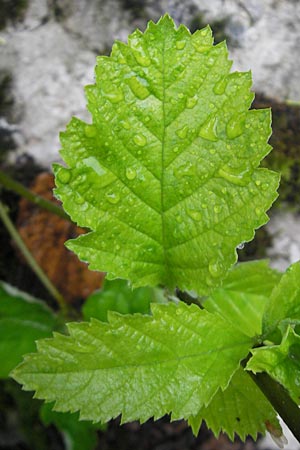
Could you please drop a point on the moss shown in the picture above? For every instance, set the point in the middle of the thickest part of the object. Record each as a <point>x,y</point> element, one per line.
<point>12,11</point>
<point>285,157</point>
<point>218,27</point>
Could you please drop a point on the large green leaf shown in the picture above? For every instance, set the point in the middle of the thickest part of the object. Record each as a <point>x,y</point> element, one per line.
<point>167,174</point>
<point>23,319</point>
<point>138,366</point>
<point>243,295</point>
<point>284,303</point>
<point>117,295</point>
<point>282,362</point>
<point>240,409</point>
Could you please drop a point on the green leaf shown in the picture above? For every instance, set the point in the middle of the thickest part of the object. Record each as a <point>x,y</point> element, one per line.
<point>138,366</point>
<point>78,435</point>
<point>282,362</point>
<point>167,175</point>
<point>118,296</point>
<point>240,409</point>
<point>23,319</point>
<point>284,303</point>
<point>243,295</point>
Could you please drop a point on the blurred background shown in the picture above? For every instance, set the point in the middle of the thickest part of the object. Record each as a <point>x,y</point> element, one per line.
<point>47,55</point>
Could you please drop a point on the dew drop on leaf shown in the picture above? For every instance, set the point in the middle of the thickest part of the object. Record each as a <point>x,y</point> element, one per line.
<point>64,176</point>
<point>90,131</point>
<point>79,200</point>
<point>112,197</point>
<point>209,129</point>
<point>130,173</point>
<point>220,86</point>
<point>233,176</point>
<point>114,95</point>
<point>234,128</point>
<point>180,45</point>
<point>182,132</point>
<point>125,124</point>
<point>191,102</point>
<point>138,89</point>
<point>194,214</point>
<point>140,140</point>
<point>215,269</point>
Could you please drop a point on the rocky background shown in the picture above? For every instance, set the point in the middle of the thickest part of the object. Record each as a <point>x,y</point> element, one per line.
<point>47,55</point>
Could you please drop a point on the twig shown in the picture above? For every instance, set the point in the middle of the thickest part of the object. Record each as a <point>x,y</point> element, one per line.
<point>64,308</point>
<point>17,187</point>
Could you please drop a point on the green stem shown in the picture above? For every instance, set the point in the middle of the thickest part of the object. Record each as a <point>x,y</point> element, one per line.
<point>13,185</point>
<point>279,399</point>
<point>31,261</point>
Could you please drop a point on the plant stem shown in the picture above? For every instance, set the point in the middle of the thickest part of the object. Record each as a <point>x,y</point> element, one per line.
<point>17,187</point>
<point>31,261</point>
<point>279,399</point>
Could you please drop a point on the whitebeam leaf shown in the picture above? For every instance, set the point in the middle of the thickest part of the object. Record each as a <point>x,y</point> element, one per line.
<point>138,366</point>
<point>167,175</point>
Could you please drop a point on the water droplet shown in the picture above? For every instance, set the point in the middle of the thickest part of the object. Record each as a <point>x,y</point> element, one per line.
<point>143,60</point>
<point>94,164</point>
<point>180,95</point>
<point>175,149</point>
<point>112,197</point>
<point>140,140</point>
<point>180,45</point>
<point>114,95</point>
<point>125,124</point>
<point>130,173</point>
<point>195,215</point>
<point>138,89</point>
<point>209,129</point>
<point>79,200</point>
<point>258,183</point>
<point>203,205</point>
<point>90,131</point>
<point>217,209</point>
<point>212,151</point>
<point>220,86</point>
<point>241,246</point>
<point>182,132</point>
<point>117,247</point>
<point>234,127</point>
<point>179,218</point>
<point>240,178</point>
<point>64,175</point>
<point>215,269</point>
<point>257,211</point>
<point>191,102</point>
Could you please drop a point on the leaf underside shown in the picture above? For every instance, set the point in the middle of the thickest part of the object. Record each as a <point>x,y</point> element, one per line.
<point>283,306</point>
<point>240,409</point>
<point>167,175</point>
<point>138,366</point>
<point>282,362</point>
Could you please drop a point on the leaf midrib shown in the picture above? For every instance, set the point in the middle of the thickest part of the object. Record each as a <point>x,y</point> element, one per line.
<point>164,245</point>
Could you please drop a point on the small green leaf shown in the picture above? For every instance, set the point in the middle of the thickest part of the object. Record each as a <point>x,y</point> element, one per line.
<point>243,295</point>
<point>138,366</point>
<point>282,362</point>
<point>78,435</point>
<point>240,409</point>
<point>167,176</point>
<point>117,295</point>
<point>23,319</point>
<point>284,303</point>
